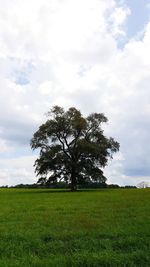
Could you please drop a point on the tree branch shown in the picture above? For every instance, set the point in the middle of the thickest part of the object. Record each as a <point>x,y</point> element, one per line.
<point>63,146</point>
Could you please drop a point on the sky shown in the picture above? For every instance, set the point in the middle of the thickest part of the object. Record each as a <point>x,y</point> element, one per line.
<point>91,54</point>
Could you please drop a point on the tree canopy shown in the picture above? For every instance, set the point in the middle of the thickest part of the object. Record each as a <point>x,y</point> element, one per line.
<point>73,148</point>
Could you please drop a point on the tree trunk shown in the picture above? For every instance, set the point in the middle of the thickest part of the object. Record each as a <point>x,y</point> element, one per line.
<point>73,180</point>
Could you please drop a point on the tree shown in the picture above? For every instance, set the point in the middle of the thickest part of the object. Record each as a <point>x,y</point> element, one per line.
<point>73,148</point>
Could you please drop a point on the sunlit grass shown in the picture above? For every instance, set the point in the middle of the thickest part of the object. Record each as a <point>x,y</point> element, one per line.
<point>43,228</point>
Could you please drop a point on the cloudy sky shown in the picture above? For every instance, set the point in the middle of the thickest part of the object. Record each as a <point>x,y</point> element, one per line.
<point>91,54</point>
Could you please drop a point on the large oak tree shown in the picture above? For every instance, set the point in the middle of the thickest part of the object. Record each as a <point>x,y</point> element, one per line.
<point>73,148</point>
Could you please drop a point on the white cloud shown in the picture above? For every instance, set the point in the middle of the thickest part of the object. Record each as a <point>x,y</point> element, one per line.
<point>118,17</point>
<point>17,170</point>
<point>3,146</point>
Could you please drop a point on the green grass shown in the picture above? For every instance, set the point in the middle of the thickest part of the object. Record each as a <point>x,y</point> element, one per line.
<point>42,228</point>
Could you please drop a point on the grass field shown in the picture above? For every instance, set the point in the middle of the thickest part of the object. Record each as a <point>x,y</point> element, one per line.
<point>42,228</point>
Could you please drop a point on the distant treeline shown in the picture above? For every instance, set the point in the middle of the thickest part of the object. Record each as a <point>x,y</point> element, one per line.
<point>63,185</point>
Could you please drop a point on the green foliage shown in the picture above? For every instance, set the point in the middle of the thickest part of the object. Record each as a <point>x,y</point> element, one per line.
<point>107,228</point>
<point>72,148</point>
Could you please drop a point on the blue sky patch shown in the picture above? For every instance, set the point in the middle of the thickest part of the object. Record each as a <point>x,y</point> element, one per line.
<point>22,79</point>
<point>139,16</point>
<point>22,75</point>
